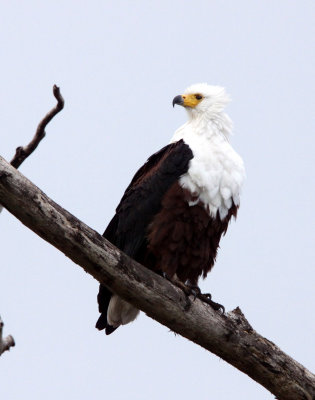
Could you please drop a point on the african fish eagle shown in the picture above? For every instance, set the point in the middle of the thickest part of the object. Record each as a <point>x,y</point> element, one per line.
<point>179,203</point>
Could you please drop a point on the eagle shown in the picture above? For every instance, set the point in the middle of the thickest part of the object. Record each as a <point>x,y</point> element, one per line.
<point>180,202</point>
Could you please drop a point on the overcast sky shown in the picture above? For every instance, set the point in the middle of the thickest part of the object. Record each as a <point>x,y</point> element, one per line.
<point>119,64</point>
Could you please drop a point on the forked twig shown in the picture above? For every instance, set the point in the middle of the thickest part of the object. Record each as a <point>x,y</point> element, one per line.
<point>23,152</point>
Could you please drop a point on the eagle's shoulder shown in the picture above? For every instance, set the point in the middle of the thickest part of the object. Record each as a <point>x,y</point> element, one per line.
<point>142,198</point>
<point>178,154</point>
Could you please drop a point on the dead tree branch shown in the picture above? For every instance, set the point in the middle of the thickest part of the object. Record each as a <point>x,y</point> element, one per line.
<point>228,336</point>
<point>7,342</point>
<point>23,152</point>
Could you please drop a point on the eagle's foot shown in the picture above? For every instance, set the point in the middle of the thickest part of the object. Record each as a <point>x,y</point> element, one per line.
<point>206,298</point>
<point>194,290</point>
<point>175,282</point>
<point>182,286</point>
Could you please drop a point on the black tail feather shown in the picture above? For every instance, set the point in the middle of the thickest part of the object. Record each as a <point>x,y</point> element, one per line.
<point>110,329</point>
<point>101,322</point>
<point>103,298</point>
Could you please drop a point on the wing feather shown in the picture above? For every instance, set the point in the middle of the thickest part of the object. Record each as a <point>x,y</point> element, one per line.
<point>142,198</point>
<point>138,206</point>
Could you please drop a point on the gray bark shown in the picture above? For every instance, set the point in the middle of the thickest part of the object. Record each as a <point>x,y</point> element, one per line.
<point>228,336</point>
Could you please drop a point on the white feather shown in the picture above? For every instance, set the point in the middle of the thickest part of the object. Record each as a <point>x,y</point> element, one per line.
<point>216,172</point>
<point>120,312</point>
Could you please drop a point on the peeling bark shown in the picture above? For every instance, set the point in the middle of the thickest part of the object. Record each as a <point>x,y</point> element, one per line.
<point>229,336</point>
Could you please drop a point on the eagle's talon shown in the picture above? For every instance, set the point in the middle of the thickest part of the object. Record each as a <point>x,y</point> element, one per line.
<point>194,290</point>
<point>206,298</point>
<point>215,306</point>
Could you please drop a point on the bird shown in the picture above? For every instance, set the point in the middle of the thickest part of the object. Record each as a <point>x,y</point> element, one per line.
<point>180,202</point>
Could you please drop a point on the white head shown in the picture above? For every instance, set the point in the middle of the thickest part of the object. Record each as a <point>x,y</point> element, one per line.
<point>205,105</point>
<point>202,99</point>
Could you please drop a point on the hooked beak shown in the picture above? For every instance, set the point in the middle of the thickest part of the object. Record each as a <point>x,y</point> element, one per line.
<point>178,100</point>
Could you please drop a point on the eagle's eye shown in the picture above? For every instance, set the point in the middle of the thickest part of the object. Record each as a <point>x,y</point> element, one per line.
<point>198,96</point>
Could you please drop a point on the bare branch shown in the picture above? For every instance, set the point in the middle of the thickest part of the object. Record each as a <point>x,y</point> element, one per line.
<point>7,342</point>
<point>228,336</point>
<point>23,152</point>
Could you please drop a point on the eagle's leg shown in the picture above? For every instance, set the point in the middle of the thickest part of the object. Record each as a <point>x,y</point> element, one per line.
<point>194,290</point>
<point>175,281</point>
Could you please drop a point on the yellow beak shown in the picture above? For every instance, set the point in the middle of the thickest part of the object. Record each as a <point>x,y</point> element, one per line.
<point>186,100</point>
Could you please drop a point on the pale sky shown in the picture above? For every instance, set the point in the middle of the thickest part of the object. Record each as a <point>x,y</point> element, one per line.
<point>119,64</point>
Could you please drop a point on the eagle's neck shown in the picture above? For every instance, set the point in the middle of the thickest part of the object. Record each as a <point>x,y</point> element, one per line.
<point>207,125</point>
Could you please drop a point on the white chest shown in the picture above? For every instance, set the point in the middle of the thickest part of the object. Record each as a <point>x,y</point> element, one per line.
<point>215,175</point>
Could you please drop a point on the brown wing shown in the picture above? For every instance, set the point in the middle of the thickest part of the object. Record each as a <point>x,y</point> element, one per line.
<point>140,203</point>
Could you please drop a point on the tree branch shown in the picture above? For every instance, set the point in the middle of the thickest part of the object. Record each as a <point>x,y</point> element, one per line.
<point>228,336</point>
<point>7,342</point>
<point>23,152</point>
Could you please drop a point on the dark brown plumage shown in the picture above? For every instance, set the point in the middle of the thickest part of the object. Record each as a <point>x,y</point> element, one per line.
<point>155,225</point>
<point>184,239</point>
